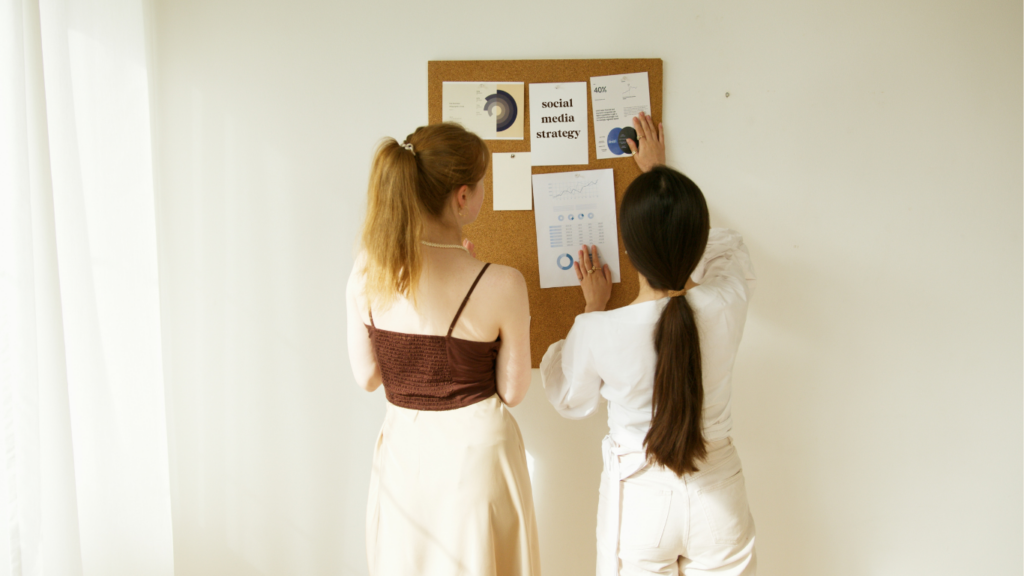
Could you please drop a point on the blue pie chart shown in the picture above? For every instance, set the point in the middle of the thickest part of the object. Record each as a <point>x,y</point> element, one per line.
<point>613,141</point>
<point>567,261</point>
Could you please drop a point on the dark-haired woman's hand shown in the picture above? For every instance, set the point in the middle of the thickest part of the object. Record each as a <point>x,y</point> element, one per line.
<point>652,143</point>
<point>595,281</point>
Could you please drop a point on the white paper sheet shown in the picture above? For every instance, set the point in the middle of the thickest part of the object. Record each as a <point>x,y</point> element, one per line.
<point>491,110</point>
<point>572,209</point>
<point>558,124</point>
<point>512,182</point>
<point>617,100</point>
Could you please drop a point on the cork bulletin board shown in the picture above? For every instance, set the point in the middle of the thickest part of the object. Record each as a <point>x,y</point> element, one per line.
<point>509,237</point>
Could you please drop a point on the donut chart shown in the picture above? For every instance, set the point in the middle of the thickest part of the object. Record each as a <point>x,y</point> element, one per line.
<point>613,142</point>
<point>568,263</point>
<point>507,109</point>
<point>627,133</point>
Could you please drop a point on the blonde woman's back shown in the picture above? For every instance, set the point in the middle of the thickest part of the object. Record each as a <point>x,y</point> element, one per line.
<point>497,308</point>
<point>447,336</point>
<point>446,279</point>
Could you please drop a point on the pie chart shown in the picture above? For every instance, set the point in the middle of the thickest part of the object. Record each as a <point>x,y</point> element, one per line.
<point>613,141</point>
<point>506,107</point>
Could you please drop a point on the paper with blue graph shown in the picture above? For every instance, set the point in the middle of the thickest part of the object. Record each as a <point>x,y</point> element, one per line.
<point>572,209</point>
<point>617,100</point>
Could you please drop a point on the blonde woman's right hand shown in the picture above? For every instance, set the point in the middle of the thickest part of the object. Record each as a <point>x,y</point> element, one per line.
<point>652,148</point>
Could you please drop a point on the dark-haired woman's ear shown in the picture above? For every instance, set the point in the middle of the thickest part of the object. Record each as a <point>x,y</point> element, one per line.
<point>652,143</point>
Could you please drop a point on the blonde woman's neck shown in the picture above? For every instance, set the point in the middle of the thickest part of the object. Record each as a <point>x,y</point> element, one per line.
<point>441,232</point>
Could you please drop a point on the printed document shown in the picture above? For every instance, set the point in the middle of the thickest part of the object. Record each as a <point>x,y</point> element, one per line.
<point>558,124</point>
<point>572,209</point>
<point>617,100</point>
<point>491,110</point>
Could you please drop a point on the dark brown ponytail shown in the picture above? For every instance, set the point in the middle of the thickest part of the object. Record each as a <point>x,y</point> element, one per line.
<point>665,227</point>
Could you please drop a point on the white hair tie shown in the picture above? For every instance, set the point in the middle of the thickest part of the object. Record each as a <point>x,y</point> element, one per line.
<point>408,146</point>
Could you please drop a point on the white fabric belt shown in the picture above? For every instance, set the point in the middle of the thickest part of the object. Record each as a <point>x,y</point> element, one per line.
<point>618,472</point>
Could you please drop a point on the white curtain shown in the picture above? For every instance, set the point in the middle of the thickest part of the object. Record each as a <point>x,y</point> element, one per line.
<point>84,481</point>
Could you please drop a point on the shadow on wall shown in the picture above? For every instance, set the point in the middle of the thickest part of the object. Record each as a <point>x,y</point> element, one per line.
<point>566,473</point>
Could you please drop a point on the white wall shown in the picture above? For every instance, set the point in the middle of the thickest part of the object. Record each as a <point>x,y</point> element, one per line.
<point>870,152</point>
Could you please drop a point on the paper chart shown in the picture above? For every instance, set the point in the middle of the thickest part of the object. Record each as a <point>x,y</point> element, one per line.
<point>572,209</point>
<point>616,101</point>
<point>492,110</point>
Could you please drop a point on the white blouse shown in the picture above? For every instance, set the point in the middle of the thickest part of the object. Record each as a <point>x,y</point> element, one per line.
<point>611,353</point>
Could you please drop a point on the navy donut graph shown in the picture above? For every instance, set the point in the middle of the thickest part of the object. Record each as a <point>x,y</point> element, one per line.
<point>613,141</point>
<point>509,110</point>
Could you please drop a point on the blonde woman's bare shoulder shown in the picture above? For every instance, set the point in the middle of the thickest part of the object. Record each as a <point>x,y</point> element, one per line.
<point>505,289</point>
<point>504,279</point>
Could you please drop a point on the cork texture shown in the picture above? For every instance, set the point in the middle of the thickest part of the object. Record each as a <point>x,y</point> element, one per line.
<point>510,237</point>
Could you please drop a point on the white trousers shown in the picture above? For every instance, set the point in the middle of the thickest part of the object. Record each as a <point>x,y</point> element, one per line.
<point>699,524</point>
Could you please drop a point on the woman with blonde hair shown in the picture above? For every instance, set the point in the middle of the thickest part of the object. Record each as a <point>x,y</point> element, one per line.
<point>448,337</point>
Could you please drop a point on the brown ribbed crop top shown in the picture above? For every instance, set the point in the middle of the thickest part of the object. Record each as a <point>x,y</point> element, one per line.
<point>424,372</point>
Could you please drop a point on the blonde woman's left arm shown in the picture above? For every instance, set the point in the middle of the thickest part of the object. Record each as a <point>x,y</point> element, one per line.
<point>360,348</point>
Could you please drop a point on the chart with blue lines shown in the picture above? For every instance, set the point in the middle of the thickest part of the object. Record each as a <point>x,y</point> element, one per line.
<point>581,189</point>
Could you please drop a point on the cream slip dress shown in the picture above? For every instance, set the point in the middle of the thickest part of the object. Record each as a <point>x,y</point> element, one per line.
<point>450,493</point>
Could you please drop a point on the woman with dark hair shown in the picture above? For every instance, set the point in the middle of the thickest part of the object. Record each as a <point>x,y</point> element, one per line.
<point>672,497</point>
<point>449,338</point>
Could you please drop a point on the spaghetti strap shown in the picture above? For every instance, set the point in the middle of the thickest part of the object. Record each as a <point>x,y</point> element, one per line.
<point>465,300</point>
<point>370,312</point>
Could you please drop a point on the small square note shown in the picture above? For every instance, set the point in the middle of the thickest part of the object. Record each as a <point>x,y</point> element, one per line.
<point>513,187</point>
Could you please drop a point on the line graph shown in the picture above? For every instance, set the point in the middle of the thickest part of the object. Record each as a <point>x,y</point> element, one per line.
<point>570,190</point>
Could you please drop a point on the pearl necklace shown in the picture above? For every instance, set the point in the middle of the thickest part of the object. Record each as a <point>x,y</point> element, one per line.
<point>459,246</point>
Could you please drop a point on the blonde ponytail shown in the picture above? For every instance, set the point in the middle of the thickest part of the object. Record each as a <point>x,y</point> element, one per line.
<point>406,186</point>
<point>393,225</point>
